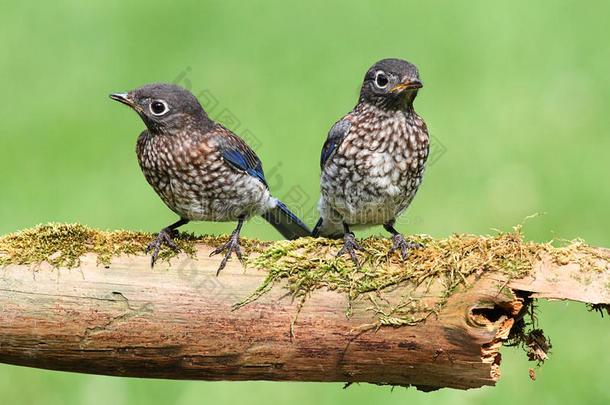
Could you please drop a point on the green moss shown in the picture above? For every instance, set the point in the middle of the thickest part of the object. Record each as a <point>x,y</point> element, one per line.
<point>307,264</point>
<point>62,245</point>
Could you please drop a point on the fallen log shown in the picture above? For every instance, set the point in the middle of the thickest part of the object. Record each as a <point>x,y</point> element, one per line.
<point>78,299</point>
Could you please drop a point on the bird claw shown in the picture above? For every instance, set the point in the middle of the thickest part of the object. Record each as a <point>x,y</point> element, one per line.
<point>350,246</point>
<point>165,236</point>
<point>231,245</point>
<point>399,242</point>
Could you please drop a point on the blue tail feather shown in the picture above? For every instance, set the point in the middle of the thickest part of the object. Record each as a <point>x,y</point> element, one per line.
<point>288,224</point>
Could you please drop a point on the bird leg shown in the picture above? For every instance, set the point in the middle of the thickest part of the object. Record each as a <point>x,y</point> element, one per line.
<point>231,245</point>
<point>399,241</point>
<point>350,245</point>
<point>165,236</point>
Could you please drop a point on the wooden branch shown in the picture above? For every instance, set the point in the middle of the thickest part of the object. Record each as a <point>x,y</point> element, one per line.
<point>128,320</point>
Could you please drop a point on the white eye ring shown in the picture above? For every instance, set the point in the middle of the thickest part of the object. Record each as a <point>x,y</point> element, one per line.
<point>381,80</point>
<point>155,107</point>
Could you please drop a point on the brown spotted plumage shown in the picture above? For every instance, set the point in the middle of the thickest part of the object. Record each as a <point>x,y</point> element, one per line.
<point>200,169</point>
<point>374,158</point>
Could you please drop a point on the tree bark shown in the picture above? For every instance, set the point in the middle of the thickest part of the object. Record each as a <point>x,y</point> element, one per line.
<point>178,323</point>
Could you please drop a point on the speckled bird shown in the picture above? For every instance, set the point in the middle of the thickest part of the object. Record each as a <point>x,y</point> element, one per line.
<point>374,158</point>
<point>201,170</point>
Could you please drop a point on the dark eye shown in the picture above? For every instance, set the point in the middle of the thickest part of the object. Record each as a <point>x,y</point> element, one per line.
<point>381,80</point>
<point>158,107</point>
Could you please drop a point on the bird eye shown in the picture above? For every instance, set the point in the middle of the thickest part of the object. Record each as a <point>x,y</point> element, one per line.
<point>381,80</point>
<point>158,107</point>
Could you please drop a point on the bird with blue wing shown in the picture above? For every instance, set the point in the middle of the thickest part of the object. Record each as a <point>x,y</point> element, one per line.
<point>373,159</point>
<point>201,170</point>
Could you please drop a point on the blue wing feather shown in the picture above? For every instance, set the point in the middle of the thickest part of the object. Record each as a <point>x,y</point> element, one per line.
<point>335,136</point>
<point>239,155</point>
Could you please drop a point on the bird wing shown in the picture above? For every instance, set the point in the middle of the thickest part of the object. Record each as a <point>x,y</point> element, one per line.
<point>335,136</point>
<point>237,154</point>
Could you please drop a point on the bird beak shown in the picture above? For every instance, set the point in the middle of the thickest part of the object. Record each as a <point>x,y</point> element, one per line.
<point>408,83</point>
<point>125,99</point>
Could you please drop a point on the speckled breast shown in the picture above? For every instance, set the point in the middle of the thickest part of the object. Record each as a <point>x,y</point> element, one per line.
<point>378,167</point>
<point>192,179</point>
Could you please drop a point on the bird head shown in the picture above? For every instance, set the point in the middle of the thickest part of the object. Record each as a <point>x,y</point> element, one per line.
<point>391,83</point>
<point>164,108</point>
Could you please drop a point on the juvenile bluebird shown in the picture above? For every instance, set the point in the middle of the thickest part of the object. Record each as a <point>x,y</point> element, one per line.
<point>201,170</point>
<point>374,158</point>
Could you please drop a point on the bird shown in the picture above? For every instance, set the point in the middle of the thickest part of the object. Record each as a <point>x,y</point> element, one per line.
<point>201,170</point>
<point>373,160</point>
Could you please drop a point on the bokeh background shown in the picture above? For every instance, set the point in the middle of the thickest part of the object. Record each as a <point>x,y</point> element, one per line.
<point>516,98</point>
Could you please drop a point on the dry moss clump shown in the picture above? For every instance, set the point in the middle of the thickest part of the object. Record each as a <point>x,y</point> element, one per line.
<point>307,264</point>
<point>62,245</point>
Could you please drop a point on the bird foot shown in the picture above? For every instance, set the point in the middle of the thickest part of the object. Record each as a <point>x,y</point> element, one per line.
<point>399,242</point>
<point>231,245</point>
<point>165,236</point>
<point>350,246</point>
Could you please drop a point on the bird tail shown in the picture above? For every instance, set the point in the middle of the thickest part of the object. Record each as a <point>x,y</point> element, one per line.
<point>288,224</point>
<point>327,229</point>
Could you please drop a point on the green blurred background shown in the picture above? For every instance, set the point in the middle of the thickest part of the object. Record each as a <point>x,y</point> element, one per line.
<point>516,99</point>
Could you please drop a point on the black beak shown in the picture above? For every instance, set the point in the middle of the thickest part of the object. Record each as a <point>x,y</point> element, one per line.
<point>123,98</point>
<point>127,100</point>
<point>408,83</point>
